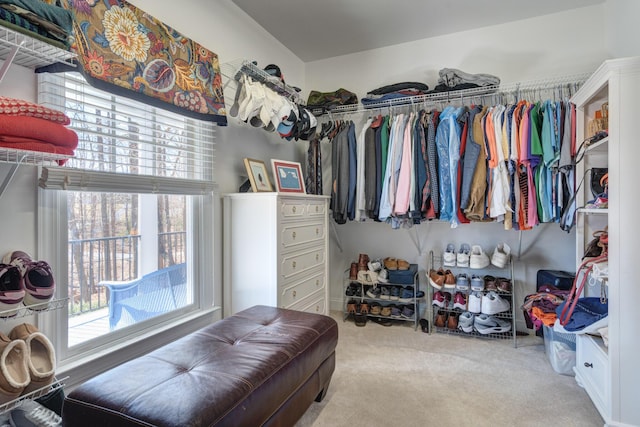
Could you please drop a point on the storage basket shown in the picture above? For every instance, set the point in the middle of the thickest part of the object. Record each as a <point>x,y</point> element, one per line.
<point>561,350</point>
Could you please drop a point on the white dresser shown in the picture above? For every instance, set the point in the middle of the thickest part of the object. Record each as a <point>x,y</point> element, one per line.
<point>275,252</point>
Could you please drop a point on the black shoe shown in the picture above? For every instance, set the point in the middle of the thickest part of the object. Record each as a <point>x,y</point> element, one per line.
<point>424,324</point>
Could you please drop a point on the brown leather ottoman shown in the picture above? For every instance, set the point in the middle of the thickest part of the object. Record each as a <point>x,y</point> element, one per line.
<point>261,366</point>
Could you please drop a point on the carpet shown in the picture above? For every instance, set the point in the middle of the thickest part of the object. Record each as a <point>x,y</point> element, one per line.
<point>397,376</point>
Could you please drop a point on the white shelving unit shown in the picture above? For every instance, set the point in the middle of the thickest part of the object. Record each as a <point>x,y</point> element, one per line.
<point>609,373</point>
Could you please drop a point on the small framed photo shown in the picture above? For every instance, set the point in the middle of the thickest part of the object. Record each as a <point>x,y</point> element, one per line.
<point>258,175</point>
<point>288,176</point>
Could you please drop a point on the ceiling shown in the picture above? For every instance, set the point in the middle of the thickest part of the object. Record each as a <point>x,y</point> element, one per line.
<point>319,29</point>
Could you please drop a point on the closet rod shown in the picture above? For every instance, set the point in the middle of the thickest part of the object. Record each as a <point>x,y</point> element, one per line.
<point>551,83</point>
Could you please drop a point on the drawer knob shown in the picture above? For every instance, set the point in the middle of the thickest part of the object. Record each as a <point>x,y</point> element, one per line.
<point>317,231</point>
<point>294,294</point>
<point>317,282</point>
<point>293,264</point>
<point>293,209</point>
<point>317,208</point>
<point>317,257</point>
<point>588,365</point>
<point>293,235</point>
<point>317,308</point>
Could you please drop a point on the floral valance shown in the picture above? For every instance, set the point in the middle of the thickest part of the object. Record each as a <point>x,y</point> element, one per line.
<point>126,51</point>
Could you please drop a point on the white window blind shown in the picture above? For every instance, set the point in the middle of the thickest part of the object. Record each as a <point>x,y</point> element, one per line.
<point>125,145</point>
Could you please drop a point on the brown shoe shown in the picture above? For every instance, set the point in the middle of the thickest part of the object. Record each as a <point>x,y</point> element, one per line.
<point>452,322</point>
<point>391,263</point>
<point>386,311</point>
<point>14,376</point>
<point>375,308</point>
<point>449,279</point>
<point>503,285</point>
<point>490,283</point>
<point>41,360</point>
<point>364,307</point>
<point>363,259</point>
<point>353,271</point>
<point>403,265</point>
<point>441,319</point>
<point>352,307</point>
<point>436,278</point>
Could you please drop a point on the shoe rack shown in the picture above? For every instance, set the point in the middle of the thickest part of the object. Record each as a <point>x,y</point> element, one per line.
<point>391,308</point>
<point>440,317</point>
<point>57,383</point>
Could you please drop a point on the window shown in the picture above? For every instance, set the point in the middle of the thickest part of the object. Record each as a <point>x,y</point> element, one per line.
<point>126,214</point>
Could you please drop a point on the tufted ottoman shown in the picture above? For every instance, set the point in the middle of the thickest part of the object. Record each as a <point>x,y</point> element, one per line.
<point>261,366</point>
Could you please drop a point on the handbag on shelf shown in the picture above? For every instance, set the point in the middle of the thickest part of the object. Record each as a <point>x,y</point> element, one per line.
<point>599,183</point>
<point>598,246</point>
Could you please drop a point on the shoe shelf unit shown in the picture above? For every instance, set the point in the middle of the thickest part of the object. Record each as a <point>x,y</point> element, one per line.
<point>608,369</point>
<point>21,49</point>
<point>391,302</point>
<point>54,304</point>
<point>58,383</point>
<point>440,316</point>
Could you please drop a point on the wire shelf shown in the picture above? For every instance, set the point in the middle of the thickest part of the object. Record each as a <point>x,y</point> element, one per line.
<point>55,385</point>
<point>31,52</point>
<point>234,69</point>
<point>11,155</point>
<point>54,304</point>
<point>513,90</point>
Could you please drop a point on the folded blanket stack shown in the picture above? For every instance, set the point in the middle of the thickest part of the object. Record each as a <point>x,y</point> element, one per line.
<point>32,127</point>
<point>39,19</point>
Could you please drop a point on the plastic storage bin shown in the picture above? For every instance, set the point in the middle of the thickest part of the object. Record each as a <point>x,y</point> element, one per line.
<point>561,350</point>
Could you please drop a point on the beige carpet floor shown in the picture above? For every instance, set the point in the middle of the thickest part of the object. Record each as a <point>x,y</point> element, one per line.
<point>395,376</point>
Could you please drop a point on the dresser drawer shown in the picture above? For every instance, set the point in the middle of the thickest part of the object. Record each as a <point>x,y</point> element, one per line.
<point>316,303</point>
<point>317,208</point>
<point>591,367</point>
<point>301,289</point>
<point>299,262</point>
<point>295,234</point>
<point>293,208</point>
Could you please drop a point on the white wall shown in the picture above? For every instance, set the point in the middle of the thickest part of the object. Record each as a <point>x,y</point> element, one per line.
<point>561,44</point>
<point>622,29</point>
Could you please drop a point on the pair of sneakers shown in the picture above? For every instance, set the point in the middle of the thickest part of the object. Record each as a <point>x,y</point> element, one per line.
<point>24,281</point>
<point>482,323</point>
<point>459,258</point>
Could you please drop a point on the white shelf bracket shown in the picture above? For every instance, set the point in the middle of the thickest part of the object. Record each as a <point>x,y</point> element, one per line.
<point>7,61</point>
<point>9,177</point>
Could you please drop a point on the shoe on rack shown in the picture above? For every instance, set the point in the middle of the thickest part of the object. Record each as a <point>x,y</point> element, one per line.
<point>419,294</point>
<point>394,293</point>
<point>492,303</point>
<point>383,276</point>
<point>449,280</point>
<point>386,311</point>
<point>353,271</point>
<point>31,413</point>
<point>478,259</point>
<point>465,321</point>
<point>373,292</point>
<point>390,263</point>
<point>440,300</point>
<point>395,310</point>
<point>474,301</point>
<point>364,308</point>
<point>449,256</point>
<point>375,308</point>
<point>501,255</point>
<point>367,277</point>
<point>14,370</point>
<point>403,265</point>
<point>462,282</point>
<point>374,265</point>
<point>360,319</point>
<point>38,279</point>
<point>407,312</point>
<point>504,285</point>
<point>486,324</point>
<point>385,292</point>
<point>460,301</point>
<point>463,255</point>
<point>11,290</point>
<point>436,278</point>
<point>352,306</point>
<point>490,283</point>
<point>406,295</point>
<point>452,321</point>
<point>477,283</point>
<point>441,319</point>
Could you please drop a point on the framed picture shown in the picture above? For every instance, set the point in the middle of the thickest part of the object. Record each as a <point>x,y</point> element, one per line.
<point>288,176</point>
<point>258,175</point>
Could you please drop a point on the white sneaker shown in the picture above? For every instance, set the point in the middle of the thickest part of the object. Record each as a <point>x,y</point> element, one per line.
<point>465,322</point>
<point>31,413</point>
<point>478,259</point>
<point>501,254</point>
<point>485,324</point>
<point>474,302</point>
<point>493,303</point>
<point>449,256</point>
<point>462,258</point>
<point>383,276</point>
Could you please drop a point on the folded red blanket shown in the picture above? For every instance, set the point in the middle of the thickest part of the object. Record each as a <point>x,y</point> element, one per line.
<point>19,143</point>
<point>20,107</point>
<point>39,129</point>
